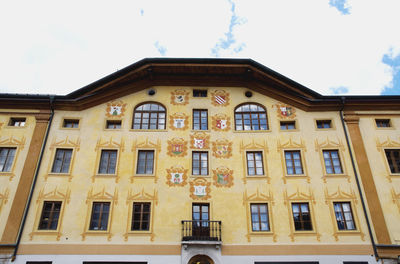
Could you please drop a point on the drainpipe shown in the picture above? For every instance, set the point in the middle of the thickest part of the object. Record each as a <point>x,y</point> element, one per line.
<point>358,182</point>
<point>21,228</point>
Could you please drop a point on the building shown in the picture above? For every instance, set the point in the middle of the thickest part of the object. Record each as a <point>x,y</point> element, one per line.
<point>199,161</point>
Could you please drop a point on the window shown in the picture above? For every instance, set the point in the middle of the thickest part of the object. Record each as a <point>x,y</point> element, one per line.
<point>324,124</point>
<point>6,159</point>
<point>393,158</point>
<point>62,161</point>
<point>301,217</point>
<point>332,162</point>
<point>254,163</point>
<point>288,125</point>
<point>141,217</point>
<point>71,123</point>
<point>145,162</point>
<point>199,163</point>
<point>293,162</point>
<point>108,162</point>
<point>199,93</point>
<point>50,215</point>
<point>149,116</point>
<point>113,124</point>
<point>17,122</point>
<point>382,122</point>
<point>200,119</point>
<point>250,117</point>
<point>259,217</point>
<point>99,218</point>
<point>344,216</point>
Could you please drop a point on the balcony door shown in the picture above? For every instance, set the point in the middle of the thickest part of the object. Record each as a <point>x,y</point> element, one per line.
<point>201,220</point>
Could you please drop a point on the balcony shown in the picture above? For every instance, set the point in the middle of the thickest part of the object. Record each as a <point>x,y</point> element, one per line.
<point>201,232</point>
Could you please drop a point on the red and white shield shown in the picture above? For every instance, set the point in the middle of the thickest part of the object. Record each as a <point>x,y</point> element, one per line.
<point>220,99</point>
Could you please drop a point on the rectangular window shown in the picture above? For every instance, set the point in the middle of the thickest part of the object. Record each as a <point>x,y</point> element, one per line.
<point>108,161</point>
<point>393,158</point>
<point>145,162</point>
<point>62,161</point>
<point>288,125</point>
<point>17,122</point>
<point>382,122</point>
<point>324,124</point>
<point>259,217</point>
<point>71,123</point>
<point>50,216</point>
<point>99,218</point>
<point>332,162</point>
<point>200,119</point>
<point>293,162</point>
<point>254,163</point>
<point>113,124</point>
<point>199,93</point>
<point>301,217</point>
<point>141,217</point>
<point>344,216</point>
<point>199,163</point>
<point>6,159</point>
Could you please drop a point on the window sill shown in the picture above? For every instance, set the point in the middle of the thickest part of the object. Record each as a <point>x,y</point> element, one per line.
<point>335,176</point>
<point>257,177</point>
<point>97,233</point>
<point>53,174</point>
<point>199,130</point>
<point>144,176</point>
<point>56,233</point>
<point>252,131</point>
<point>139,233</point>
<point>261,234</point>
<point>325,129</point>
<point>112,129</point>
<point>148,130</point>
<point>200,176</point>
<point>385,128</point>
<point>7,173</point>
<point>105,176</point>
<point>338,233</point>
<point>296,176</point>
<point>289,130</point>
<point>69,128</point>
<point>17,127</point>
<point>305,233</point>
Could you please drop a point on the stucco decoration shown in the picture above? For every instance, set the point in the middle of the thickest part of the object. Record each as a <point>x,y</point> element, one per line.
<point>200,140</point>
<point>179,97</point>
<point>381,145</point>
<point>219,98</point>
<point>223,177</point>
<point>115,109</point>
<point>1,124</point>
<point>4,197</point>
<point>177,147</point>
<point>200,189</point>
<point>16,143</point>
<point>178,121</point>
<point>259,145</point>
<point>222,148</point>
<point>396,198</point>
<point>177,176</point>
<point>146,145</point>
<point>285,111</point>
<point>221,122</point>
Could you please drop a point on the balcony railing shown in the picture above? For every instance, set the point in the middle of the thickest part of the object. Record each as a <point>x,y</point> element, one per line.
<point>201,230</point>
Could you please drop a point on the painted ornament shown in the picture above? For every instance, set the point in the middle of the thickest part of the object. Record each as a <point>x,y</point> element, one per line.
<point>177,176</point>
<point>221,122</point>
<point>180,97</point>
<point>178,121</point>
<point>199,140</point>
<point>223,177</point>
<point>115,109</point>
<point>200,189</point>
<point>286,111</point>
<point>177,147</point>
<point>219,98</point>
<point>222,148</point>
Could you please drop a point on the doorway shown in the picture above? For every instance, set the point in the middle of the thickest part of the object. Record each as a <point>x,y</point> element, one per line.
<point>201,220</point>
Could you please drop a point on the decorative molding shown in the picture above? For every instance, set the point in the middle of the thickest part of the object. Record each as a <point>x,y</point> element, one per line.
<point>222,148</point>
<point>177,176</point>
<point>223,177</point>
<point>12,142</point>
<point>219,98</point>
<point>178,121</point>
<point>179,97</point>
<point>108,145</point>
<point>254,146</point>
<point>329,144</point>
<point>291,144</point>
<point>65,143</point>
<point>396,198</point>
<point>115,109</point>
<point>200,189</point>
<point>381,145</point>
<point>145,145</point>
<point>285,111</point>
<point>177,147</point>
<point>4,197</point>
<point>220,122</point>
<point>200,140</point>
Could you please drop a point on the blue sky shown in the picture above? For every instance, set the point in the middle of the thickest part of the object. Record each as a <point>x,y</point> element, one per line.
<point>331,46</point>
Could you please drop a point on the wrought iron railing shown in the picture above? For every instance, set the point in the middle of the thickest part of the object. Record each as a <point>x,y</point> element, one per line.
<point>201,230</point>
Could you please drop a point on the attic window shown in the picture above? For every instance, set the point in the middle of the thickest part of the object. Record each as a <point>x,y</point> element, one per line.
<point>199,93</point>
<point>17,122</point>
<point>71,123</point>
<point>113,124</point>
<point>383,122</point>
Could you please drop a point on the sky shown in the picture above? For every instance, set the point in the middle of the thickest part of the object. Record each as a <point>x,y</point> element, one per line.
<point>334,47</point>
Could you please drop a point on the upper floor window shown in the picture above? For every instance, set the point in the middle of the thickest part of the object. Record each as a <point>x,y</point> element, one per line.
<point>113,124</point>
<point>199,163</point>
<point>301,217</point>
<point>259,217</point>
<point>200,119</point>
<point>382,122</point>
<point>62,161</point>
<point>145,162</point>
<point>251,117</point>
<point>293,162</point>
<point>332,162</point>
<point>344,216</point>
<point>141,216</point>
<point>324,124</point>
<point>71,123</point>
<point>108,161</point>
<point>50,216</point>
<point>149,116</point>
<point>199,93</point>
<point>6,159</point>
<point>17,122</point>
<point>254,163</point>
<point>99,218</point>
<point>288,125</point>
<point>393,158</point>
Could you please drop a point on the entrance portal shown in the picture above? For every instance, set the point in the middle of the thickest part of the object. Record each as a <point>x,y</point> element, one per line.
<point>200,259</point>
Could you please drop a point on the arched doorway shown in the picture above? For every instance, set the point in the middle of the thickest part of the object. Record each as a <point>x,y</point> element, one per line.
<point>201,259</point>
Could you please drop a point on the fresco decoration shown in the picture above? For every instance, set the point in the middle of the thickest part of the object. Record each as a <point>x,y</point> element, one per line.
<point>177,147</point>
<point>200,140</point>
<point>222,148</point>
<point>115,109</point>
<point>179,97</point>
<point>285,111</point>
<point>219,98</point>
<point>223,177</point>
<point>177,176</point>
<point>221,122</point>
<point>178,121</point>
<point>200,189</point>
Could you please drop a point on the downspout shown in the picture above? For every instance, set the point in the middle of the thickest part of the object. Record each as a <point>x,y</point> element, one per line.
<point>358,182</point>
<point>21,228</point>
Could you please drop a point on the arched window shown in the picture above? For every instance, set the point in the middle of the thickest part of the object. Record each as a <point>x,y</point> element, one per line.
<point>149,116</point>
<point>251,117</point>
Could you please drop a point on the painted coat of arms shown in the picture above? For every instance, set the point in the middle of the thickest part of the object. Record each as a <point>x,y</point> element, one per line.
<point>178,121</point>
<point>199,140</point>
<point>177,147</point>
<point>180,97</point>
<point>221,122</point>
<point>115,109</point>
<point>219,98</point>
<point>223,177</point>
<point>222,148</point>
<point>286,111</point>
<point>200,189</point>
<point>176,176</point>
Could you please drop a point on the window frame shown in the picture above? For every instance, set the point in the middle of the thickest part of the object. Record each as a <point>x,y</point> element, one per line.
<point>73,120</point>
<point>343,215</point>
<point>254,161</point>
<point>11,166</point>
<point>70,161</point>
<point>331,160</point>
<point>200,92</point>
<point>153,163</point>
<point>330,120</point>
<point>17,120</point>
<point>100,161</point>
<point>295,123</point>
<point>302,222</point>
<point>385,150</point>
<point>302,163</point>
<point>259,218</point>
<point>51,211</point>
<point>200,118</point>
<point>149,113</point>
<point>379,121</point>
<point>112,121</point>
<point>100,218</point>
<point>132,222</point>
<point>251,112</point>
<point>200,167</point>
